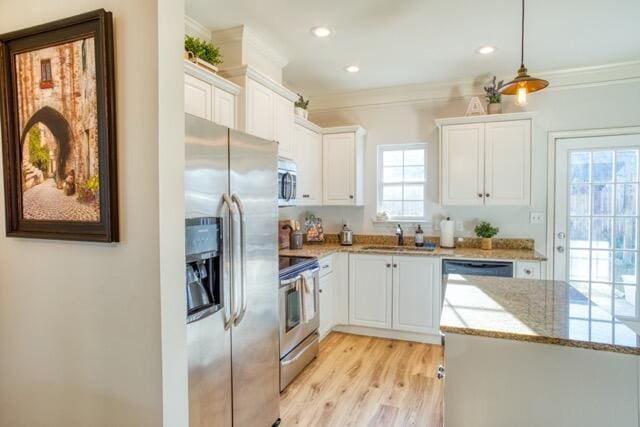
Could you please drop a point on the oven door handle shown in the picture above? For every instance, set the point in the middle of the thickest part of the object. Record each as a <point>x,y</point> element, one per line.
<point>300,353</point>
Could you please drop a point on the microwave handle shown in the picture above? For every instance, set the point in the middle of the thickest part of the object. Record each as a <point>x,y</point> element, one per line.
<point>243,259</point>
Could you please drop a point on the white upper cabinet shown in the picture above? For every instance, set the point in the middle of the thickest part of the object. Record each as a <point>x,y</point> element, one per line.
<point>343,166</point>
<point>197,97</point>
<point>209,96</point>
<point>463,164</point>
<point>259,110</point>
<point>308,155</point>
<point>283,125</point>
<point>370,292</point>
<point>507,163</point>
<point>486,162</point>
<point>416,294</point>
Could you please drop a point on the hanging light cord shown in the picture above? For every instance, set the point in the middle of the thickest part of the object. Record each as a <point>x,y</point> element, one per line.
<point>522,39</point>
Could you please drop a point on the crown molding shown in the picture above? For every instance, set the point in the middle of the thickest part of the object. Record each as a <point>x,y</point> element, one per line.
<point>253,74</point>
<point>307,124</point>
<point>486,118</point>
<point>600,75</point>
<point>242,33</point>
<point>197,28</point>
<point>358,130</point>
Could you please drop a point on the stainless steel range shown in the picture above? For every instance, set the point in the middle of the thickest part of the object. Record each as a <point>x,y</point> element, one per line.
<point>298,338</point>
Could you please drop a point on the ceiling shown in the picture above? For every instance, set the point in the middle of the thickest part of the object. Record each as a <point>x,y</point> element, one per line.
<point>423,41</point>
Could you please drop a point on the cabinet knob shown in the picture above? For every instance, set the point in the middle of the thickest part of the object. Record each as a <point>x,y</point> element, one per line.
<point>440,375</point>
<point>480,195</point>
<point>395,265</point>
<point>528,271</point>
<point>351,196</point>
<point>487,195</point>
<point>388,265</point>
<point>320,291</point>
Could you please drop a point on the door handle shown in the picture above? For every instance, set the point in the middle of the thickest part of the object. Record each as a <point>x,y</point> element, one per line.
<point>560,249</point>
<point>226,245</point>
<point>243,259</point>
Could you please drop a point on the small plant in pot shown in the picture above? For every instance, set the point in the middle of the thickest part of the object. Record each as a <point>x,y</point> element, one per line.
<point>301,107</point>
<point>485,231</point>
<point>494,96</point>
<point>202,53</point>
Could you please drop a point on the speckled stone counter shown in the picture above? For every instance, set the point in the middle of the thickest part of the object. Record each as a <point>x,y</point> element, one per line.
<point>543,311</point>
<point>319,250</point>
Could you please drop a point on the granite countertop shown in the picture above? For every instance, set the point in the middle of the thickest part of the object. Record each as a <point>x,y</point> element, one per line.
<point>542,311</point>
<point>319,250</point>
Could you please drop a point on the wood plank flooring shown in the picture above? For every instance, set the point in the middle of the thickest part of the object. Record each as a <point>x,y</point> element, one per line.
<point>366,381</point>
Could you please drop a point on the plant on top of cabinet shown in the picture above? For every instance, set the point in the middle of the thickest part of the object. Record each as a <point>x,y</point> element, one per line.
<point>301,107</point>
<point>202,53</point>
<point>486,232</point>
<point>494,96</point>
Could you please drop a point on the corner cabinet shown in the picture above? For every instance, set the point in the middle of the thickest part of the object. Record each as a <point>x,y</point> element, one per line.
<point>486,160</point>
<point>209,96</point>
<point>343,166</point>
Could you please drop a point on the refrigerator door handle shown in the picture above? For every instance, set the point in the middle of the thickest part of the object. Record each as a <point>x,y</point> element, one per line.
<point>243,258</point>
<point>226,244</point>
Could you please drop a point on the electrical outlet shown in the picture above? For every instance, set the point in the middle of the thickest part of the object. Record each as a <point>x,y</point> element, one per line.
<point>459,226</point>
<point>536,217</point>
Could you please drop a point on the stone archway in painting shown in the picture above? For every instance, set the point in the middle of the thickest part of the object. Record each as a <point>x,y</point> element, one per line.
<point>61,131</point>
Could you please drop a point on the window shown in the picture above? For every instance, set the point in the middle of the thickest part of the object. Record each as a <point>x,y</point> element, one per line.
<point>46,80</point>
<point>402,180</point>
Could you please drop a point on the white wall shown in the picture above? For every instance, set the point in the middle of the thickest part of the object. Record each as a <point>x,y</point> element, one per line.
<point>81,337</point>
<point>583,108</point>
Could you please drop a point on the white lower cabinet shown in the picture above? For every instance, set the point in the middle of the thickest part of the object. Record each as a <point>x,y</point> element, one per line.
<point>370,290</point>
<point>416,294</point>
<point>326,304</point>
<point>528,270</point>
<point>401,293</point>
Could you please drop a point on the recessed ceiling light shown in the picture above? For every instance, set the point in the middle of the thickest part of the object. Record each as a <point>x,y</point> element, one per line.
<point>352,69</point>
<point>321,31</point>
<point>485,50</point>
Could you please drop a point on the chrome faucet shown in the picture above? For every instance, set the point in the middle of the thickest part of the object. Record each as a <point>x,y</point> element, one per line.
<point>400,235</point>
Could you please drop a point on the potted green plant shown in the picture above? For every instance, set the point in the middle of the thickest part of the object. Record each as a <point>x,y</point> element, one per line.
<point>202,53</point>
<point>301,107</point>
<point>485,231</point>
<point>494,96</point>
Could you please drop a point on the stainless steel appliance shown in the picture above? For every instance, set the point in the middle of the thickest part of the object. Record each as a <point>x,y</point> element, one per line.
<point>287,182</point>
<point>230,179</point>
<point>299,340</point>
<point>346,236</point>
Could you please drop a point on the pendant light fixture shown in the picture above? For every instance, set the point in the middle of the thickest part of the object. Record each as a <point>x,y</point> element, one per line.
<point>523,84</point>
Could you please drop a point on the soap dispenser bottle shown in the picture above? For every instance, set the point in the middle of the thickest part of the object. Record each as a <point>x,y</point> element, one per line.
<point>419,237</point>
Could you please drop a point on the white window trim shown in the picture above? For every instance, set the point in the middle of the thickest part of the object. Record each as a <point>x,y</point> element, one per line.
<point>395,147</point>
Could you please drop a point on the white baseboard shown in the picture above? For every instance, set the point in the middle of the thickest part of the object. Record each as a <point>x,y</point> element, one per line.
<point>389,334</point>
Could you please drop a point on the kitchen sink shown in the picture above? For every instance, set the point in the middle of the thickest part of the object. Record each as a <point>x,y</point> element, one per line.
<point>399,248</point>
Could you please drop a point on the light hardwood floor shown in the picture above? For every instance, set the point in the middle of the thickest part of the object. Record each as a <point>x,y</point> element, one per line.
<point>366,381</point>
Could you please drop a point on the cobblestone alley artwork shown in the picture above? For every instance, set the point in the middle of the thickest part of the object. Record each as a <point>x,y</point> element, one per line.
<point>58,127</point>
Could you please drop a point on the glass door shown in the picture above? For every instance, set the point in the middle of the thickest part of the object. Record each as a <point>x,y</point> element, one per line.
<point>596,234</point>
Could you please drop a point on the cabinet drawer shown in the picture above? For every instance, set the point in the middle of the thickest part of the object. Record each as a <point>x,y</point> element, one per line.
<point>528,270</point>
<point>326,265</point>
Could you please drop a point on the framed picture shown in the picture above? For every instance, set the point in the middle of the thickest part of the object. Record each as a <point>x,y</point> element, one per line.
<point>57,105</point>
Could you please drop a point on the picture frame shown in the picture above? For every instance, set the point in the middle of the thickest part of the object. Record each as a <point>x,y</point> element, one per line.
<point>58,119</point>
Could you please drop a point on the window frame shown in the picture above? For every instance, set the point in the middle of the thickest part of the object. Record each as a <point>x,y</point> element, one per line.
<point>381,149</point>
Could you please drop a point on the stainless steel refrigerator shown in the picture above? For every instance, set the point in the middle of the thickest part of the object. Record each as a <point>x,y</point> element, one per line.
<point>234,352</point>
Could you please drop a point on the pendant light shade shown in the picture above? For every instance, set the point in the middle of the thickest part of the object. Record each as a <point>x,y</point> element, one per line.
<point>523,84</point>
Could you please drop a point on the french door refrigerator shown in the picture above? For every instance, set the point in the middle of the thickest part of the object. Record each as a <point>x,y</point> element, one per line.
<point>234,353</point>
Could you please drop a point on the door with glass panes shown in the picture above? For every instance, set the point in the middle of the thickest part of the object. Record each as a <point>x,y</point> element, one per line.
<point>596,219</point>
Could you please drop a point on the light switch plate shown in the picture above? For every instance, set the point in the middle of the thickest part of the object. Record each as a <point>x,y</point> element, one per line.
<point>536,217</point>
<point>459,226</point>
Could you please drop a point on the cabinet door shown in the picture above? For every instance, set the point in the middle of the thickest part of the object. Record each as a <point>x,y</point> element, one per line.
<point>326,304</point>
<point>462,164</point>
<point>508,163</point>
<point>308,155</point>
<point>416,294</point>
<point>259,120</point>
<point>283,125</point>
<point>224,108</point>
<point>338,168</point>
<point>197,97</point>
<point>370,290</point>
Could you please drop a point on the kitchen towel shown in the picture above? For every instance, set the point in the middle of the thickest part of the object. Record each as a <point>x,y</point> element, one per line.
<point>446,233</point>
<point>308,296</point>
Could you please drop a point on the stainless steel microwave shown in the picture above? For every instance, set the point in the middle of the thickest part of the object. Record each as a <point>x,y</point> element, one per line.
<point>287,181</point>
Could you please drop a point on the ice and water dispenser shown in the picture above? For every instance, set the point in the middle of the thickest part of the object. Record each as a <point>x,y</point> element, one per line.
<point>203,267</point>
